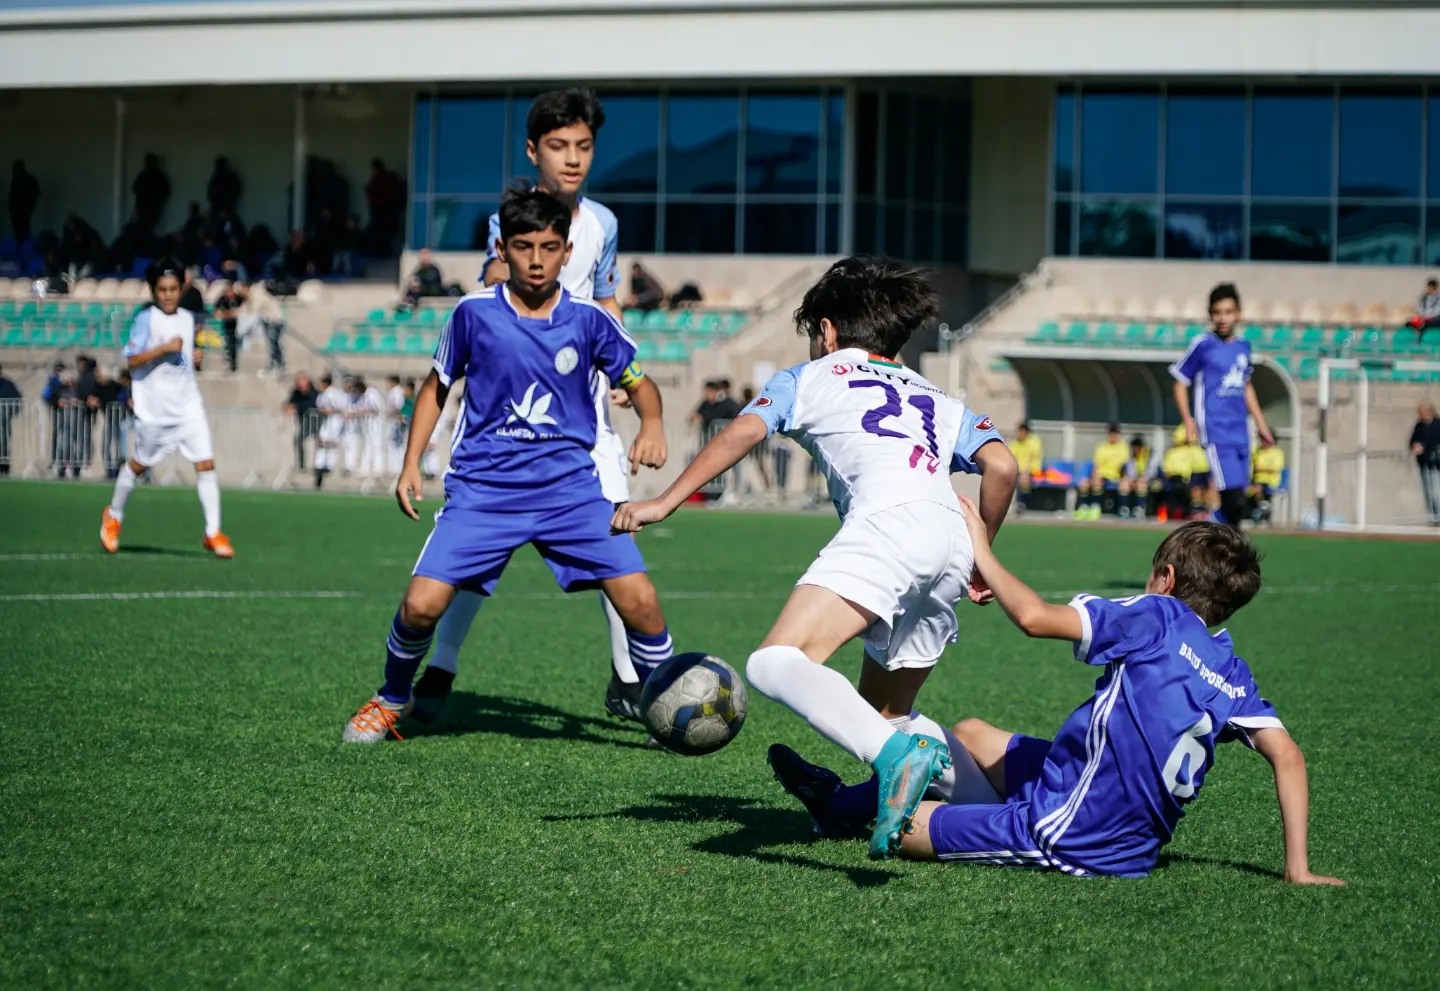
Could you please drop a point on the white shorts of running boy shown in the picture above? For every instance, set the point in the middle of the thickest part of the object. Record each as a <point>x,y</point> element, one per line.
<point>909,565</point>
<point>612,466</point>
<point>156,441</point>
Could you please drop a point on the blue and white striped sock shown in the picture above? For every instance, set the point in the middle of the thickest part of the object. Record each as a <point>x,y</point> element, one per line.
<point>404,650</point>
<point>649,650</point>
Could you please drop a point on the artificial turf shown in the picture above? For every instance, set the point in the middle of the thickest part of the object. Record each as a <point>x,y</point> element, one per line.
<point>178,810</point>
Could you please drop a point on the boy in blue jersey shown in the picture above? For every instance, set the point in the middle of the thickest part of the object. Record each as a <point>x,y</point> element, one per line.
<point>1217,366</point>
<point>561,129</point>
<point>1108,791</point>
<point>520,465</point>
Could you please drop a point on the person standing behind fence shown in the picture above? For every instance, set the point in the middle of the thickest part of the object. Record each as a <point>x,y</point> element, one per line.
<point>227,311</point>
<point>375,422</point>
<point>9,406</point>
<point>332,403</point>
<point>1425,445</point>
<point>102,402</point>
<point>301,405</point>
<point>395,424</point>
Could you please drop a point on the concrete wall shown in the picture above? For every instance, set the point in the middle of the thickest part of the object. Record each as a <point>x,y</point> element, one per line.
<point>67,139</point>
<point>1009,158</point>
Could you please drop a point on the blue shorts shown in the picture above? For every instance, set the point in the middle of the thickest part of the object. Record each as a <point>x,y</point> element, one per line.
<point>1229,465</point>
<point>999,834</point>
<point>469,548</point>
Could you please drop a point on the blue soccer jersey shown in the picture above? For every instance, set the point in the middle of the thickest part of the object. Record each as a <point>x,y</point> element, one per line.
<point>527,423</point>
<point>1217,372</point>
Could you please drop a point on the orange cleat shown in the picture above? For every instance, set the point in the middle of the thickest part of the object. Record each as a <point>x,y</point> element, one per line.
<point>219,545</point>
<point>109,531</point>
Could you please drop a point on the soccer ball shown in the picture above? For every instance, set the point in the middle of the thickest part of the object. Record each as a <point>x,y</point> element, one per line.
<point>694,704</point>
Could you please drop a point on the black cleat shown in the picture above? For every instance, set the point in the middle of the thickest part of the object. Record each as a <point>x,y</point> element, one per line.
<point>430,694</point>
<point>813,785</point>
<point>622,699</point>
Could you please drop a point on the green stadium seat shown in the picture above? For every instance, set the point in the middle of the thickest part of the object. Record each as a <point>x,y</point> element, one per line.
<point>1308,369</point>
<point>1137,335</point>
<point>1076,333</point>
<point>339,343</point>
<point>388,344</point>
<point>401,316</point>
<point>97,310</point>
<point>710,323</point>
<point>16,337</point>
<point>1404,341</point>
<point>29,309</point>
<point>655,321</point>
<point>1163,336</point>
<point>362,343</point>
<point>1047,333</point>
<point>674,350</point>
<point>416,344</point>
<point>431,315</point>
<point>1192,331</point>
<point>1371,340</point>
<point>1311,340</point>
<point>70,336</point>
<point>106,337</point>
<point>633,319</point>
<point>736,322</point>
<point>680,322</point>
<point>1281,338</point>
<point>1282,360</point>
<point>377,316</point>
<point>647,350</point>
<point>9,310</point>
<point>701,343</point>
<point>42,336</point>
<point>1253,333</point>
<point>1341,340</point>
<point>1105,335</point>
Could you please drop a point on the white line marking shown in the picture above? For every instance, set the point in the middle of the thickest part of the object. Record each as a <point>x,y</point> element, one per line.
<point>45,557</point>
<point>128,596</point>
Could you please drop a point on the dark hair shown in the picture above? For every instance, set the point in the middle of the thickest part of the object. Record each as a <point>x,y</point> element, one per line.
<point>1224,291</point>
<point>168,265</point>
<point>1431,284</point>
<point>561,108</point>
<point>327,379</point>
<point>874,303</point>
<point>1217,568</point>
<point>528,211</point>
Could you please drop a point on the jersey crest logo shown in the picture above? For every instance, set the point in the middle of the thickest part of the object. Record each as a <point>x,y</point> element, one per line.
<point>533,411</point>
<point>566,360</point>
<point>1235,377</point>
<point>841,369</point>
<point>985,424</point>
<point>759,401</point>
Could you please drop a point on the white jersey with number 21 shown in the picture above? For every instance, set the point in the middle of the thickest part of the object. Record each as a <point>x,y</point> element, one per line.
<point>882,435</point>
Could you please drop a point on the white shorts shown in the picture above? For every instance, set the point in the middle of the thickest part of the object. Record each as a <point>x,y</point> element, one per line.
<point>155,441</point>
<point>612,466</point>
<point>907,564</point>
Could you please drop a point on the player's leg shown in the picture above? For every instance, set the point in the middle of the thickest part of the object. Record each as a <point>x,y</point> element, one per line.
<point>151,446</point>
<point>622,694</point>
<point>996,834</point>
<point>193,442</point>
<point>1230,468</point>
<point>434,685</point>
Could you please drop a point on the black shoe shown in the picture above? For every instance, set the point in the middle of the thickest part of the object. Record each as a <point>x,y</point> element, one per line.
<point>622,699</point>
<point>430,694</point>
<point>813,785</point>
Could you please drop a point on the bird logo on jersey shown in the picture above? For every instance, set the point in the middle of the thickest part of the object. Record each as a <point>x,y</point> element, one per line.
<point>1235,377</point>
<point>535,412</point>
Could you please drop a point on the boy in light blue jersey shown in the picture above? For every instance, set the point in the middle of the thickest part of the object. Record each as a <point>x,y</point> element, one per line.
<point>1217,367</point>
<point>520,465</point>
<point>1109,790</point>
<point>562,127</point>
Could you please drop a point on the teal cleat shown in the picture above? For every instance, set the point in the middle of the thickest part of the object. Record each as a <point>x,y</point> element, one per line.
<point>906,766</point>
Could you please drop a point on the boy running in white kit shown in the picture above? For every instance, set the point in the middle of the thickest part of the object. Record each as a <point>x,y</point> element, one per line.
<point>887,441</point>
<point>169,414</point>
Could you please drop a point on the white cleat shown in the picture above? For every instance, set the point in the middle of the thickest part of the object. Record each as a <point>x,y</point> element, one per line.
<point>375,721</point>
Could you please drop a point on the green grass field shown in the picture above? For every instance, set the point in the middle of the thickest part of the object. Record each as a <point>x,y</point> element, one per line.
<point>179,811</point>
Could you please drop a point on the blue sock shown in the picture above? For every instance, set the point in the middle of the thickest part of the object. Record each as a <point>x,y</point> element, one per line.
<point>649,650</point>
<point>856,802</point>
<point>404,650</point>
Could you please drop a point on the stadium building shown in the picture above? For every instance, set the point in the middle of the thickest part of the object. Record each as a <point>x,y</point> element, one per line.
<point>1079,173</point>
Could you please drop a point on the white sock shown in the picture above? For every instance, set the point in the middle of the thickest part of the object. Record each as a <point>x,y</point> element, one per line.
<point>453,628</point>
<point>209,490</point>
<point>620,661</point>
<point>963,783</point>
<point>124,485</point>
<point>824,698</point>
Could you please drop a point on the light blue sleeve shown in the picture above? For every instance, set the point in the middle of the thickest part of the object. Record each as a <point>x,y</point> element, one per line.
<point>453,352</point>
<point>1186,368</point>
<point>139,334</point>
<point>975,432</point>
<point>606,272</point>
<point>776,402</point>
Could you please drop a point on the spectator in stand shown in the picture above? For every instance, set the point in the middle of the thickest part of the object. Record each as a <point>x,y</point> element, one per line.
<point>1030,457</point>
<point>85,424</point>
<point>686,297</point>
<point>227,311</point>
<point>24,195</point>
<point>225,188</point>
<point>1267,470</point>
<point>258,248</point>
<point>385,193</point>
<point>301,405</point>
<point>152,191</point>
<point>347,246</point>
<point>299,261</point>
<point>103,403</point>
<point>425,281</point>
<point>262,311</point>
<point>50,396</point>
<point>192,299</point>
<point>1107,471</point>
<point>1427,313</point>
<point>9,406</point>
<point>192,230</point>
<point>646,293</point>
<point>1425,445</point>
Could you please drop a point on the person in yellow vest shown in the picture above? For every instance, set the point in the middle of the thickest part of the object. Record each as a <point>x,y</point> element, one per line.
<point>1030,458</point>
<point>1201,504</point>
<point>1171,486</point>
<point>1267,468</point>
<point>1132,481</point>
<point>1110,458</point>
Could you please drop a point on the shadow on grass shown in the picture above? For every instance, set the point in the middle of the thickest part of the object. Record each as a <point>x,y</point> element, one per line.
<point>760,826</point>
<point>160,551</point>
<point>524,719</point>
<point>1180,859</point>
<point>1124,585</point>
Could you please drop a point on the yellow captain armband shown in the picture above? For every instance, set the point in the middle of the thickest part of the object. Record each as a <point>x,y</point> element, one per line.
<point>631,377</point>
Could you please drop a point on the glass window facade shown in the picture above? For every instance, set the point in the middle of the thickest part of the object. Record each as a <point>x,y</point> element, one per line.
<point>1317,173</point>
<point>759,170</point>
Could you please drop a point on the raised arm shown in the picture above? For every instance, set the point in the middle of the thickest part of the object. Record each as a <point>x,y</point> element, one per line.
<point>1292,790</point>
<point>1033,615</point>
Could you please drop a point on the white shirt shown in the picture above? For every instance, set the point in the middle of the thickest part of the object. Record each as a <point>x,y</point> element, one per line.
<point>395,398</point>
<point>880,433</point>
<point>164,390</point>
